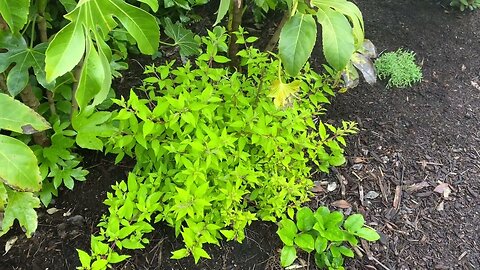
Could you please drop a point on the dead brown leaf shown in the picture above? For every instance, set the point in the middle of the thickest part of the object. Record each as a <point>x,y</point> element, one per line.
<point>443,188</point>
<point>341,204</point>
<point>417,186</point>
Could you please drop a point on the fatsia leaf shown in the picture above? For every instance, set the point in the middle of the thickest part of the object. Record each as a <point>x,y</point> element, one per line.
<point>23,58</point>
<point>91,126</point>
<point>92,78</point>
<point>18,165</point>
<point>296,42</point>
<point>183,38</point>
<point>21,206</point>
<point>337,37</point>
<point>65,51</point>
<point>69,5</point>
<point>20,118</point>
<point>153,4</point>
<point>282,92</point>
<point>96,17</point>
<point>15,13</point>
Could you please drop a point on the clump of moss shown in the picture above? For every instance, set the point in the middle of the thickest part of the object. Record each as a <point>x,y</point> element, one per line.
<point>399,68</point>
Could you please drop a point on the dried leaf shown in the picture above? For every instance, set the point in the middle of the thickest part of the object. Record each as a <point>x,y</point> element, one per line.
<point>371,195</point>
<point>317,188</point>
<point>9,244</point>
<point>417,186</point>
<point>440,206</point>
<point>331,186</point>
<point>443,188</point>
<point>52,210</point>
<point>341,204</point>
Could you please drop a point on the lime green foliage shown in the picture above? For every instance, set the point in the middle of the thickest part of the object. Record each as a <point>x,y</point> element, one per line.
<point>324,232</point>
<point>465,4</point>
<point>214,152</point>
<point>399,68</point>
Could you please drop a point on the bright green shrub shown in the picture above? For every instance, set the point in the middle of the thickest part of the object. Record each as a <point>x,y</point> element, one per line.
<point>214,151</point>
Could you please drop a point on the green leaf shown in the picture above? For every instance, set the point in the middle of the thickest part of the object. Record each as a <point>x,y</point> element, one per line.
<point>368,234</point>
<point>351,11</point>
<point>153,4</point>
<point>21,206</point>
<point>69,5</point>
<point>179,254</point>
<point>15,13</point>
<point>320,244</point>
<point>90,127</point>
<point>20,118</point>
<point>18,165</point>
<point>354,223</point>
<point>337,37</point>
<point>346,251</point>
<point>296,42</point>
<point>305,241</point>
<point>287,230</point>
<point>22,58</point>
<point>95,78</point>
<point>198,253</point>
<point>305,219</point>
<point>64,51</point>
<point>84,257</point>
<point>183,38</point>
<point>222,10</point>
<point>287,255</point>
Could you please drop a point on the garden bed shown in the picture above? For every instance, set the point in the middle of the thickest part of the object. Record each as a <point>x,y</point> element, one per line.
<point>410,142</point>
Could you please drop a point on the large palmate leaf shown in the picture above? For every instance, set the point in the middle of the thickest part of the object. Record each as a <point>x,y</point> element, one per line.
<point>21,206</point>
<point>15,13</point>
<point>296,42</point>
<point>350,10</point>
<point>20,118</point>
<point>22,58</point>
<point>93,20</point>
<point>183,38</point>
<point>337,37</point>
<point>18,165</point>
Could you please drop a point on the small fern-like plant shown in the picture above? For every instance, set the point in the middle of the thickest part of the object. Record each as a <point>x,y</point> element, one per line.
<point>465,4</point>
<point>399,68</point>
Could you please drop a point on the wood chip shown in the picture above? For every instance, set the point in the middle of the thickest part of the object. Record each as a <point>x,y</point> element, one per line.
<point>398,197</point>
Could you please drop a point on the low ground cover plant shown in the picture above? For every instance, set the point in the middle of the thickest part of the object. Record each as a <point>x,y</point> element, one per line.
<point>399,68</point>
<point>465,4</point>
<point>324,232</point>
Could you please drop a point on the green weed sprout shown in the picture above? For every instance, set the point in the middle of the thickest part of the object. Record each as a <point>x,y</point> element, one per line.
<point>399,67</point>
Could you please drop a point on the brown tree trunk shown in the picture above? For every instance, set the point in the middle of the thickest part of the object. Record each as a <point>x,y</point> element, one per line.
<point>236,21</point>
<point>274,39</point>
<point>29,98</point>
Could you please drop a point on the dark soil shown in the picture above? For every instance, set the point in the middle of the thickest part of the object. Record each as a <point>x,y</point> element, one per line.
<point>410,141</point>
